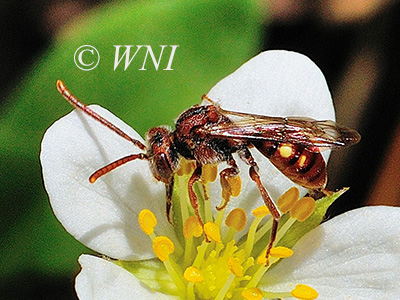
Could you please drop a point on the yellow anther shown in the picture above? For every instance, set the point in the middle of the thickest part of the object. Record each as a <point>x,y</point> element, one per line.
<point>236,219</point>
<point>252,293</point>
<point>147,221</point>
<point>303,209</point>
<point>193,274</point>
<point>261,211</point>
<point>235,266</point>
<point>192,227</point>
<point>304,292</point>
<point>212,231</point>
<point>186,167</point>
<point>281,252</point>
<point>209,173</point>
<point>163,247</point>
<point>288,199</point>
<point>285,150</point>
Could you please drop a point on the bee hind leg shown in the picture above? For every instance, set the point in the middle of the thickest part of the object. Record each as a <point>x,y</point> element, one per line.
<point>246,156</point>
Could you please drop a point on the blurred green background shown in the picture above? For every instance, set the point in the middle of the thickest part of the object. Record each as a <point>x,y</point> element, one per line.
<point>352,45</point>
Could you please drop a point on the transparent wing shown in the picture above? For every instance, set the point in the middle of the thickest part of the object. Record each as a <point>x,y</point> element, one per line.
<point>313,134</point>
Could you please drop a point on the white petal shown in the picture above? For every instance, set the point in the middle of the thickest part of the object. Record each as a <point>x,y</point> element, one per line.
<point>101,279</point>
<point>102,215</point>
<point>353,256</point>
<point>274,83</point>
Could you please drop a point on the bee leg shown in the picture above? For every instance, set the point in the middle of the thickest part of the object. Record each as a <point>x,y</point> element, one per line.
<point>192,195</point>
<point>169,187</point>
<point>225,184</point>
<point>326,192</point>
<point>246,156</point>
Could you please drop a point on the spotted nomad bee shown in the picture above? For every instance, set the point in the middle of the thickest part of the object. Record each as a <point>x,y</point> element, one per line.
<point>209,134</point>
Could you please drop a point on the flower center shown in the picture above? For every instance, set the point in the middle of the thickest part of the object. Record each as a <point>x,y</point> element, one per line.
<point>217,261</point>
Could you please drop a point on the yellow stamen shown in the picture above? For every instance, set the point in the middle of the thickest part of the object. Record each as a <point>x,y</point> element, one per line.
<point>288,199</point>
<point>304,292</point>
<point>192,227</point>
<point>303,209</point>
<point>236,219</point>
<point>281,252</point>
<point>262,259</point>
<point>186,167</point>
<point>235,266</point>
<point>252,294</point>
<point>163,247</point>
<point>261,211</point>
<point>147,221</point>
<point>285,150</point>
<point>193,274</point>
<point>209,173</point>
<point>212,231</point>
<point>276,253</point>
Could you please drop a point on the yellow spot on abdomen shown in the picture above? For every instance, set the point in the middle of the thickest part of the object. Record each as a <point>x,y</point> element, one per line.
<point>302,160</point>
<point>285,150</point>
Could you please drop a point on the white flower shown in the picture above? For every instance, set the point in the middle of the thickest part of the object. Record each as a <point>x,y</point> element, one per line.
<point>104,215</point>
<point>353,256</point>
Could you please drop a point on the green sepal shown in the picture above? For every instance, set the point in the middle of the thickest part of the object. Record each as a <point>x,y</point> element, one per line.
<point>152,273</point>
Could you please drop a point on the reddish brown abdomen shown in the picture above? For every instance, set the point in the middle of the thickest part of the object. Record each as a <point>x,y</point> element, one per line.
<point>296,162</point>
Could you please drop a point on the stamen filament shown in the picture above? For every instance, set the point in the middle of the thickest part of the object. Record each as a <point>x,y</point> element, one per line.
<point>263,230</point>
<point>285,227</point>
<point>251,236</point>
<point>230,235</point>
<point>220,217</point>
<point>201,250</point>
<point>262,268</point>
<point>188,251</point>
<point>174,275</point>
<point>190,291</point>
<point>183,196</point>
<point>225,288</point>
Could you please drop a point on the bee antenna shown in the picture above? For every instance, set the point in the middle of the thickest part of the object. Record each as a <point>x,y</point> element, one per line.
<point>106,169</point>
<point>79,105</point>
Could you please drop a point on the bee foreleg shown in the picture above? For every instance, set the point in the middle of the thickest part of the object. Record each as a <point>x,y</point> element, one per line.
<point>169,187</point>
<point>192,195</point>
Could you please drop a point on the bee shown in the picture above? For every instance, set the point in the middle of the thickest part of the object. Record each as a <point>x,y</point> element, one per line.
<point>209,134</point>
